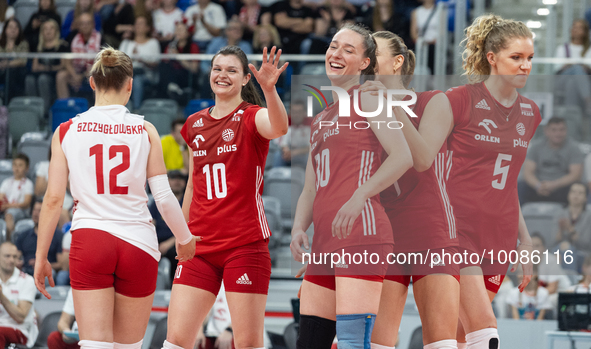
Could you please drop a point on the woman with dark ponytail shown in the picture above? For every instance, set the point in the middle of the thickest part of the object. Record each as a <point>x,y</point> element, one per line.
<point>223,202</point>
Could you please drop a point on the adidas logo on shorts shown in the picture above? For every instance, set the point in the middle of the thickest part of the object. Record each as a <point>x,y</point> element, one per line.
<point>495,280</point>
<point>198,123</point>
<point>482,105</point>
<point>243,280</point>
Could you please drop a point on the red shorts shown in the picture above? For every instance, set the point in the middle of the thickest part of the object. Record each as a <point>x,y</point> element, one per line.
<point>494,272</point>
<point>244,269</point>
<point>100,260</point>
<point>321,273</point>
<point>419,264</point>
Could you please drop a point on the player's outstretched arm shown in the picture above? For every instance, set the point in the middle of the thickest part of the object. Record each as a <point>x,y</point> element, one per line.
<point>165,200</point>
<point>271,122</point>
<point>399,160</point>
<point>50,213</point>
<point>303,214</point>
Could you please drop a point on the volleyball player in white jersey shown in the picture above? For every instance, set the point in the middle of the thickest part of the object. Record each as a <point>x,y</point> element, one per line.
<point>108,153</point>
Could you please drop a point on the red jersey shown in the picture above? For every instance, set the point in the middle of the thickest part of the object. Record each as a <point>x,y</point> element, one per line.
<point>228,163</point>
<point>487,148</point>
<point>344,158</point>
<point>418,204</point>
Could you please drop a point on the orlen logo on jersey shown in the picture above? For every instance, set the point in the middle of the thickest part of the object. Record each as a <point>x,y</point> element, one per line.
<point>196,142</point>
<point>487,124</point>
<point>345,101</point>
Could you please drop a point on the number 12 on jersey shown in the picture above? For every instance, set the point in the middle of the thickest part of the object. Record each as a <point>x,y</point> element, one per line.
<point>219,180</point>
<point>501,170</point>
<point>97,152</point>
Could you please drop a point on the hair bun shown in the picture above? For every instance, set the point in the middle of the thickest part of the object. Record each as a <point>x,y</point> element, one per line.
<point>109,58</point>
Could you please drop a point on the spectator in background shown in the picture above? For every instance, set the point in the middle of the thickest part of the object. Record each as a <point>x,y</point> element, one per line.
<point>550,273</point>
<point>265,35</point>
<point>165,20</point>
<point>233,37</point>
<point>166,240</point>
<point>551,166</point>
<point>142,49</point>
<point>174,148</point>
<point>11,40</point>
<point>119,25</point>
<point>41,180</point>
<point>70,25</point>
<point>75,72</point>
<point>295,22</point>
<point>584,286</point>
<point>16,193</point>
<point>46,11</point>
<point>330,18</point>
<point>295,145</point>
<point>67,323</point>
<point>251,15</point>
<point>17,296</point>
<point>386,17</point>
<point>573,80</point>
<point>26,242</point>
<point>175,74</point>
<point>424,24</point>
<point>208,19</point>
<point>105,8</point>
<point>574,227</point>
<point>41,81</point>
<point>532,303</point>
<point>6,12</point>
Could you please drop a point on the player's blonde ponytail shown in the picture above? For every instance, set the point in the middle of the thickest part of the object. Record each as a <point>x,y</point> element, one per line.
<point>398,47</point>
<point>111,69</point>
<point>488,33</point>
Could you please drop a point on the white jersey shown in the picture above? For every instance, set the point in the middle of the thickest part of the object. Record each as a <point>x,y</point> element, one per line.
<point>107,151</point>
<point>20,287</point>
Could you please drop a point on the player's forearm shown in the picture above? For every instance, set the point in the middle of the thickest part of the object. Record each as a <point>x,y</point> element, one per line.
<point>50,215</point>
<point>422,155</point>
<point>303,214</point>
<point>523,233</point>
<point>277,113</point>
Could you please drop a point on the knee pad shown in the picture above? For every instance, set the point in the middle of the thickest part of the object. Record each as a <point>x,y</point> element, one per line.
<point>379,346</point>
<point>354,330</point>
<point>315,332</point>
<point>487,338</point>
<point>86,344</point>
<point>168,345</point>
<point>444,344</point>
<point>137,345</point>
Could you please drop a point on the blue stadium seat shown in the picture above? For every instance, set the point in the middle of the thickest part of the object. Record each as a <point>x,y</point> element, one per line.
<point>36,146</point>
<point>5,169</point>
<point>196,105</point>
<point>24,9</point>
<point>24,115</point>
<point>65,109</point>
<point>184,4</point>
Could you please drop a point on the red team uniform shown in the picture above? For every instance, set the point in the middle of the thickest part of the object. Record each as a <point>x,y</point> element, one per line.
<point>343,159</point>
<point>113,239</point>
<point>227,209</point>
<point>421,215</point>
<point>486,151</point>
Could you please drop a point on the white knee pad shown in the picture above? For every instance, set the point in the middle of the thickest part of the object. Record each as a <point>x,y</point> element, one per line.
<point>462,345</point>
<point>487,338</point>
<point>86,344</point>
<point>137,345</point>
<point>168,345</point>
<point>379,346</point>
<point>444,344</point>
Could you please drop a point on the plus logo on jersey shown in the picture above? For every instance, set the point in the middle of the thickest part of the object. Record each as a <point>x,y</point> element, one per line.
<point>487,124</point>
<point>196,142</point>
<point>526,109</point>
<point>228,135</point>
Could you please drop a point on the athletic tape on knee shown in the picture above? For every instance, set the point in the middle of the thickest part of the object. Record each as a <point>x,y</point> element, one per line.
<point>168,345</point>
<point>462,345</point>
<point>354,331</point>
<point>379,346</point>
<point>86,344</point>
<point>137,345</point>
<point>444,344</point>
<point>487,338</point>
<point>316,332</point>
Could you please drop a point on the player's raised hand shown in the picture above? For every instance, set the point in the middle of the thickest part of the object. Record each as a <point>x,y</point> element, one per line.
<point>268,73</point>
<point>187,252</point>
<point>299,238</point>
<point>42,270</point>
<point>342,225</point>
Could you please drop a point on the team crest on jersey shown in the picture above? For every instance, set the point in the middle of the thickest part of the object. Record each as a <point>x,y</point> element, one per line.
<point>521,129</point>
<point>482,105</point>
<point>227,135</point>
<point>198,123</point>
<point>526,109</point>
